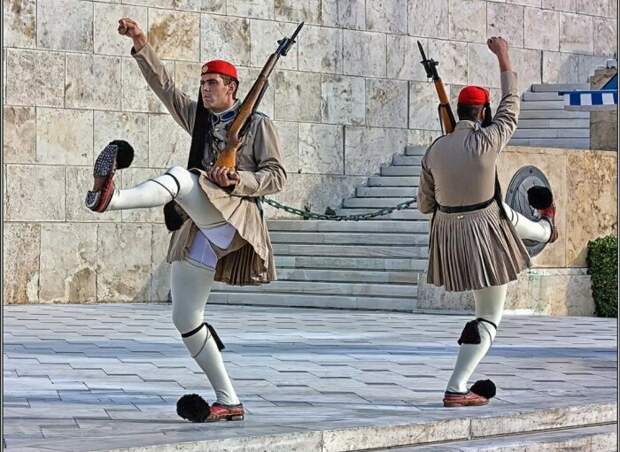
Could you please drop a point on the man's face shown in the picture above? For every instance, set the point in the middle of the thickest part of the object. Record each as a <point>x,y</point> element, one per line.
<point>216,96</point>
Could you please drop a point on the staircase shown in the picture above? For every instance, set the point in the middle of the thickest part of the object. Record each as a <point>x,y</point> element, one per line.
<point>372,264</point>
<point>543,122</point>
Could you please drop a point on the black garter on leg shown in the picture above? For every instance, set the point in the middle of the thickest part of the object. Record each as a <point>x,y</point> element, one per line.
<point>193,408</point>
<point>471,333</point>
<point>216,338</point>
<point>212,332</point>
<point>173,219</point>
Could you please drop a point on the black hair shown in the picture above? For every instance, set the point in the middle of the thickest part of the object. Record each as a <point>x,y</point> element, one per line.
<point>468,112</point>
<point>228,80</point>
<point>472,113</point>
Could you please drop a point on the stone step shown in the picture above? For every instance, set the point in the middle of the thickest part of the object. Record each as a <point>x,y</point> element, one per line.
<point>405,214</point>
<point>553,114</point>
<point>349,238</point>
<point>546,87</point>
<point>415,150</point>
<point>543,105</point>
<point>386,251</point>
<point>351,263</point>
<point>374,203</point>
<point>409,170</point>
<point>386,192</point>
<point>537,96</point>
<point>314,301</point>
<point>552,133</point>
<point>601,438</point>
<point>329,288</point>
<point>393,181</point>
<point>348,226</point>
<point>352,276</point>
<point>400,159</point>
<point>564,143</point>
<point>568,123</point>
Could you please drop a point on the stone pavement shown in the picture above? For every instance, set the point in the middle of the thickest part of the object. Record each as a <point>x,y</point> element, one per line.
<point>107,376</point>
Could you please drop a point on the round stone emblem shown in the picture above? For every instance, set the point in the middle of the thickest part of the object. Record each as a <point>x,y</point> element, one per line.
<point>516,197</point>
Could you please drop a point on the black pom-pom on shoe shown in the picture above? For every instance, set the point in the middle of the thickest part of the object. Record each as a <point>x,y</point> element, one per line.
<point>484,388</point>
<point>539,197</point>
<point>125,153</point>
<point>193,408</point>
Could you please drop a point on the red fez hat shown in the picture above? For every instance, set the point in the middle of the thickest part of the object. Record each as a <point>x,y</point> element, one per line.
<point>220,67</point>
<point>474,95</point>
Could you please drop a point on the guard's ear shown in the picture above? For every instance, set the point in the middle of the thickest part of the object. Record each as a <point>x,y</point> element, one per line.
<point>232,87</point>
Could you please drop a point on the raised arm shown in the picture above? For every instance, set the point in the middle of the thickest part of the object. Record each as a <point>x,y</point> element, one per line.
<point>180,105</point>
<point>504,123</point>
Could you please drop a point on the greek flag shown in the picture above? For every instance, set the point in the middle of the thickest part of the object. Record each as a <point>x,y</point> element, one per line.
<point>594,100</point>
<point>590,100</point>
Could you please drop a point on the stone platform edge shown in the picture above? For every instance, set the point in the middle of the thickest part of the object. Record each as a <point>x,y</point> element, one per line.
<point>525,420</point>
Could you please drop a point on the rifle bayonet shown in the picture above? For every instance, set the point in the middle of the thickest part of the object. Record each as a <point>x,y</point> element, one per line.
<point>228,156</point>
<point>430,66</point>
<point>286,43</point>
<point>446,117</point>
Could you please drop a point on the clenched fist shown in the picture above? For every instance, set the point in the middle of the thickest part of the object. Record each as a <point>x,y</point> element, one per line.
<point>497,45</point>
<point>129,27</point>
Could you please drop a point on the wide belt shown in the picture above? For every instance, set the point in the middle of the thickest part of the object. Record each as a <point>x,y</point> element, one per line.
<point>470,208</point>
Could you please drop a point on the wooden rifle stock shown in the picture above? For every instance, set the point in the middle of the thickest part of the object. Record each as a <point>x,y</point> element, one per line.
<point>234,136</point>
<point>446,117</point>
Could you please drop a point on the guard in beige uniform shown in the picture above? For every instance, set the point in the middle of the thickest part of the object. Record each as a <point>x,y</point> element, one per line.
<point>475,239</point>
<point>219,230</point>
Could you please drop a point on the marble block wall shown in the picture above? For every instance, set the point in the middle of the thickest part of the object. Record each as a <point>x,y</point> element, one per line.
<point>603,124</point>
<point>349,94</point>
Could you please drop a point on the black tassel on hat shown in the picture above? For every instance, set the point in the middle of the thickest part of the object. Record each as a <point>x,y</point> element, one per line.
<point>484,388</point>
<point>124,155</point>
<point>539,197</point>
<point>193,408</point>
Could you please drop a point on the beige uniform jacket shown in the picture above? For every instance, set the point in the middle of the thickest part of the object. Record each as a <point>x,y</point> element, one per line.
<point>459,168</point>
<point>249,258</point>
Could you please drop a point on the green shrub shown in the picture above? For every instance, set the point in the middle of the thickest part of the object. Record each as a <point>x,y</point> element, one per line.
<point>603,267</point>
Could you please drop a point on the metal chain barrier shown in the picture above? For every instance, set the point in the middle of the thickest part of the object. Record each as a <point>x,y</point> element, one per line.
<point>321,216</point>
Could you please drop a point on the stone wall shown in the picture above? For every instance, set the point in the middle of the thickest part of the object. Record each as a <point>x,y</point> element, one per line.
<point>584,185</point>
<point>349,95</point>
<point>603,124</point>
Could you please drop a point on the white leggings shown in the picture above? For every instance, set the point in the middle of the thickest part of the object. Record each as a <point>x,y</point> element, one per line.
<point>190,286</point>
<point>489,304</point>
<point>190,280</point>
<point>538,231</point>
<point>177,183</point>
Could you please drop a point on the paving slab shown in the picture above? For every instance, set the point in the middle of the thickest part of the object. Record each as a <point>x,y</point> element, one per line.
<point>311,379</point>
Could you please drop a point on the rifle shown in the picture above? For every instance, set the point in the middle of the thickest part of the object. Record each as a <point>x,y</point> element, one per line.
<point>228,156</point>
<point>446,117</point>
